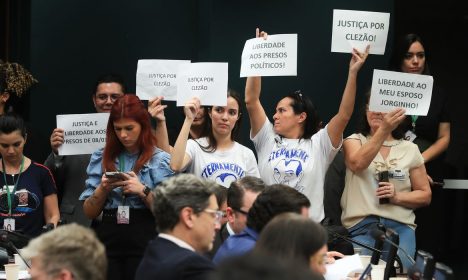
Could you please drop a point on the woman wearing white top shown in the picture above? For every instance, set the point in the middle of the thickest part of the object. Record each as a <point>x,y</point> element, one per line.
<point>218,156</point>
<point>294,151</point>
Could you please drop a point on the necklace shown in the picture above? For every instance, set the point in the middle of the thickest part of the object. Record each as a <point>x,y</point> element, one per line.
<point>392,143</point>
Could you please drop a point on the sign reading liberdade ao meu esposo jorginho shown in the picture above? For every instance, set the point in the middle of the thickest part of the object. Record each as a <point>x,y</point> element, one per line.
<point>390,90</point>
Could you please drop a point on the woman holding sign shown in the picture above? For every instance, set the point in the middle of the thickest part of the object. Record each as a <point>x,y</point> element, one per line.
<point>385,180</point>
<point>28,198</point>
<point>432,135</point>
<point>218,156</point>
<point>120,179</point>
<point>294,150</point>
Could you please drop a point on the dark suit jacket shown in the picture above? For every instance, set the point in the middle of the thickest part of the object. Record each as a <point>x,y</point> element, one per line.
<point>165,260</point>
<point>70,176</point>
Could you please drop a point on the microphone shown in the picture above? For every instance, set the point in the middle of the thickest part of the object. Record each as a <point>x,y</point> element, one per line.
<point>378,245</point>
<point>380,235</point>
<point>337,235</point>
<point>4,238</point>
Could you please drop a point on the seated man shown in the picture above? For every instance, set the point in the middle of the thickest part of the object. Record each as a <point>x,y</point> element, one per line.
<point>186,215</point>
<point>68,252</point>
<point>240,197</point>
<point>274,200</point>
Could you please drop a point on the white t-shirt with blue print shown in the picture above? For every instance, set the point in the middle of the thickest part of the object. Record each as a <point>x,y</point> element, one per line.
<point>223,167</point>
<point>301,164</point>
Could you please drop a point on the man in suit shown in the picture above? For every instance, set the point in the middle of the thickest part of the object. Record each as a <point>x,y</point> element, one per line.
<point>240,197</point>
<point>186,215</point>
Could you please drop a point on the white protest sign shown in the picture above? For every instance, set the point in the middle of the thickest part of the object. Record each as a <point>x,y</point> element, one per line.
<point>391,90</point>
<point>83,133</point>
<point>206,80</point>
<point>357,29</point>
<point>158,77</point>
<point>275,56</point>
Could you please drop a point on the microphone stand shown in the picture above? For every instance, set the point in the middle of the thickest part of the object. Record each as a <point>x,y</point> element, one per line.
<point>337,235</point>
<point>4,238</point>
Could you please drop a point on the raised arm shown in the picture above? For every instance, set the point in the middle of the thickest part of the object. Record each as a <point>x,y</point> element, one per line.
<point>253,86</point>
<point>338,123</point>
<point>179,158</point>
<point>357,156</point>
<point>156,110</point>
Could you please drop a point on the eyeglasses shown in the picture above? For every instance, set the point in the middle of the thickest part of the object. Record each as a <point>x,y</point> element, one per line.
<point>218,215</point>
<point>112,96</point>
<point>241,211</point>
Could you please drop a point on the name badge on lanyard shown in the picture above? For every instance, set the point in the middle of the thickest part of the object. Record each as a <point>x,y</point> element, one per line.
<point>123,215</point>
<point>9,224</point>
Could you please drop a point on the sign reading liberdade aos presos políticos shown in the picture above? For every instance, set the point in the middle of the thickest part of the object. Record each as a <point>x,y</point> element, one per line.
<point>357,29</point>
<point>275,56</point>
<point>206,80</point>
<point>158,77</point>
<point>83,133</point>
<point>411,92</point>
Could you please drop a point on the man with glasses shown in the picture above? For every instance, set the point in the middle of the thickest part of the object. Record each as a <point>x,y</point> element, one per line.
<point>70,171</point>
<point>186,215</point>
<point>274,200</point>
<point>240,197</point>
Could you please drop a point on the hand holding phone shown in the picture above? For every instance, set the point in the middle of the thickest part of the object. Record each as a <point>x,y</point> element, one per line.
<point>116,175</point>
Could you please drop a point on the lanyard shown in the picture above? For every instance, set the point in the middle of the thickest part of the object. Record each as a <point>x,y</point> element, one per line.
<point>15,184</point>
<point>413,122</point>
<point>121,169</point>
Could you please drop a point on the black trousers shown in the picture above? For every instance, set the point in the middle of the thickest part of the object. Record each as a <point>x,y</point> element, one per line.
<point>125,243</point>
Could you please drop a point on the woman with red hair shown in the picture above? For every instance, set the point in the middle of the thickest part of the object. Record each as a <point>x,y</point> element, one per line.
<point>138,167</point>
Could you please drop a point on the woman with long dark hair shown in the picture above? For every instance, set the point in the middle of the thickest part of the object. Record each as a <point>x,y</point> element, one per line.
<point>294,150</point>
<point>127,223</point>
<point>432,135</point>
<point>217,156</point>
<point>432,132</point>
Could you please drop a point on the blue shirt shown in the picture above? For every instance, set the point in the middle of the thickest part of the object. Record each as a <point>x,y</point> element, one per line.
<point>152,173</point>
<point>235,245</point>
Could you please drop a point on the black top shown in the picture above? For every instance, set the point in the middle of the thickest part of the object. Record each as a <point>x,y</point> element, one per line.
<point>427,127</point>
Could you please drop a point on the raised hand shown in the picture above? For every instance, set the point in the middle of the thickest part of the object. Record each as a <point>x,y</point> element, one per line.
<point>156,109</point>
<point>261,34</point>
<point>56,139</point>
<point>358,59</point>
<point>392,119</point>
<point>191,108</point>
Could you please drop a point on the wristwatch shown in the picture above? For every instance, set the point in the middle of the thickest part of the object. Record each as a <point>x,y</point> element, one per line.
<point>146,190</point>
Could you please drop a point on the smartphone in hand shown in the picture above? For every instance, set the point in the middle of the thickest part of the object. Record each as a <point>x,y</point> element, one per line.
<point>116,175</point>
